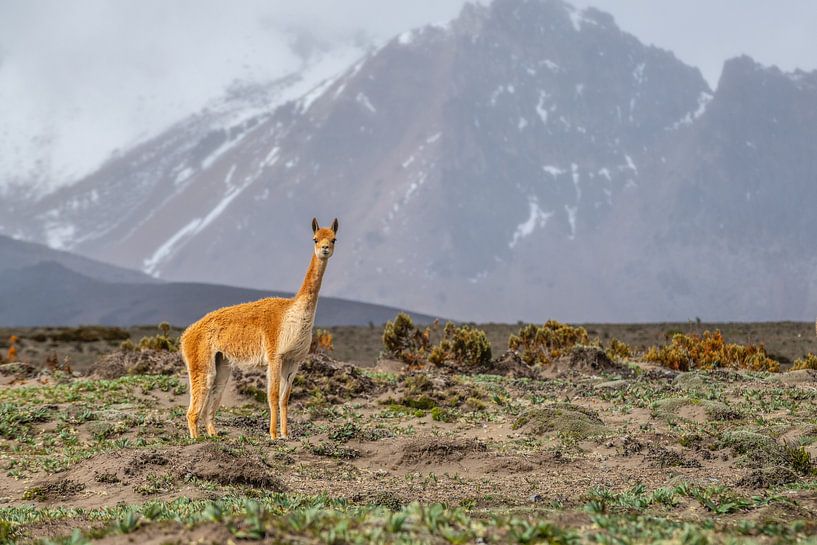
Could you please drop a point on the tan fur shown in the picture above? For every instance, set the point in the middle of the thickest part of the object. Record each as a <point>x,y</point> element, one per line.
<point>272,332</point>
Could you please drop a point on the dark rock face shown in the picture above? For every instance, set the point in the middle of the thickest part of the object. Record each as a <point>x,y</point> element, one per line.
<point>527,160</point>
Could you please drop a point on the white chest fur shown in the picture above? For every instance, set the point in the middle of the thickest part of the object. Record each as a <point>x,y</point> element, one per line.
<point>296,331</point>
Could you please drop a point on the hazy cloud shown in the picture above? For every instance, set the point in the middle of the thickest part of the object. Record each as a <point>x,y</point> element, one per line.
<point>80,79</point>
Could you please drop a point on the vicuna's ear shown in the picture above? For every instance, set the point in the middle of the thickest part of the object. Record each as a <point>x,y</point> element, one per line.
<point>315,225</point>
<point>335,226</point>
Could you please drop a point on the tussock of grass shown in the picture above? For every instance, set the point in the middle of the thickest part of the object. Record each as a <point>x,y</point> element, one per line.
<point>762,451</point>
<point>668,408</point>
<point>564,418</point>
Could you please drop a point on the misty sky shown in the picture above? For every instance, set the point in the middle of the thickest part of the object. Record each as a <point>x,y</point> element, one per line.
<point>80,79</point>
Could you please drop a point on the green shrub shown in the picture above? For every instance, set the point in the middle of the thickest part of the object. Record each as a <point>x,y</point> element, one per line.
<point>161,341</point>
<point>809,361</point>
<point>322,342</point>
<point>541,345</point>
<point>404,341</point>
<point>619,350</point>
<point>464,345</point>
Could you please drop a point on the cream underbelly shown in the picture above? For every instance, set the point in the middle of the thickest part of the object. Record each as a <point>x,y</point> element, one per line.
<point>247,363</point>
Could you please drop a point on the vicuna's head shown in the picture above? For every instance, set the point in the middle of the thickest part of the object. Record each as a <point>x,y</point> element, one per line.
<point>324,238</point>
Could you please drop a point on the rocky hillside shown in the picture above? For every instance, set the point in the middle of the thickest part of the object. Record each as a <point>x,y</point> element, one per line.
<point>526,160</point>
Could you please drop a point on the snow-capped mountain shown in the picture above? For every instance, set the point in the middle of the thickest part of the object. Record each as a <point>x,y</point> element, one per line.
<point>526,160</point>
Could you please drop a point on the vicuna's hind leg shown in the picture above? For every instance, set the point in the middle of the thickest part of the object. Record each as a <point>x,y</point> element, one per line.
<point>214,399</point>
<point>202,374</point>
<point>273,392</point>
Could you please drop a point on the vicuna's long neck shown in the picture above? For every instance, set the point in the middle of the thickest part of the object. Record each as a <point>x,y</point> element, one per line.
<point>312,283</point>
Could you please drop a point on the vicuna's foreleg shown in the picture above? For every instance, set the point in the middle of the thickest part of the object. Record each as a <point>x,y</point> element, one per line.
<point>273,392</point>
<point>283,402</point>
<point>214,398</point>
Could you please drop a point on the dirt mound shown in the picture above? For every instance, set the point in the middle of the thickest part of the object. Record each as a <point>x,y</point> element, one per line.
<point>141,461</point>
<point>427,390</point>
<point>768,477</point>
<point>149,472</point>
<point>663,457</point>
<point>17,369</point>
<point>386,498</point>
<point>565,418</point>
<point>509,364</point>
<point>758,451</point>
<point>220,464</point>
<point>590,360</point>
<point>435,450</point>
<point>800,376</point>
<point>318,376</point>
<point>338,382</point>
<point>137,362</point>
<point>54,490</point>
<point>699,410</point>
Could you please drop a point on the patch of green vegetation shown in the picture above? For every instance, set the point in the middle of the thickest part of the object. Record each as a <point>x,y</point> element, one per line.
<point>156,484</point>
<point>333,450</point>
<point>564,418</point>
<point>94,393</point>
<point>15,421</point>
<point>669,408</point>
<point>759,451</point>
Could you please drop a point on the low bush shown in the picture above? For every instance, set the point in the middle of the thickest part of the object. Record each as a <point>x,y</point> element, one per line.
<point>406,342</point>
<point>462,345</point>
<point>11,356</point>
<point>809,361</point>
<point>541,345</point>
<point>619,350</point>
<point>161,341</point>
<point>710,351</point>
<point>322,342</point>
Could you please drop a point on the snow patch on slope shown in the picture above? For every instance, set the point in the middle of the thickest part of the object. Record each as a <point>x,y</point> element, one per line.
<point>703,101</point>
<point>536,218</point>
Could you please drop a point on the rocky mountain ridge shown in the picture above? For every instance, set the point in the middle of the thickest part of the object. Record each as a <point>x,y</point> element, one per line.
<point>527,160</point>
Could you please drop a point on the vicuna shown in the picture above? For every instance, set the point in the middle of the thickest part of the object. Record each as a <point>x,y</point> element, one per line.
<point>275,332</point>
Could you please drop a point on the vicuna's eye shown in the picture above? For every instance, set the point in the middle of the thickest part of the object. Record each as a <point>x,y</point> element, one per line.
<point>334,240</point>
<point>315,240</point>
